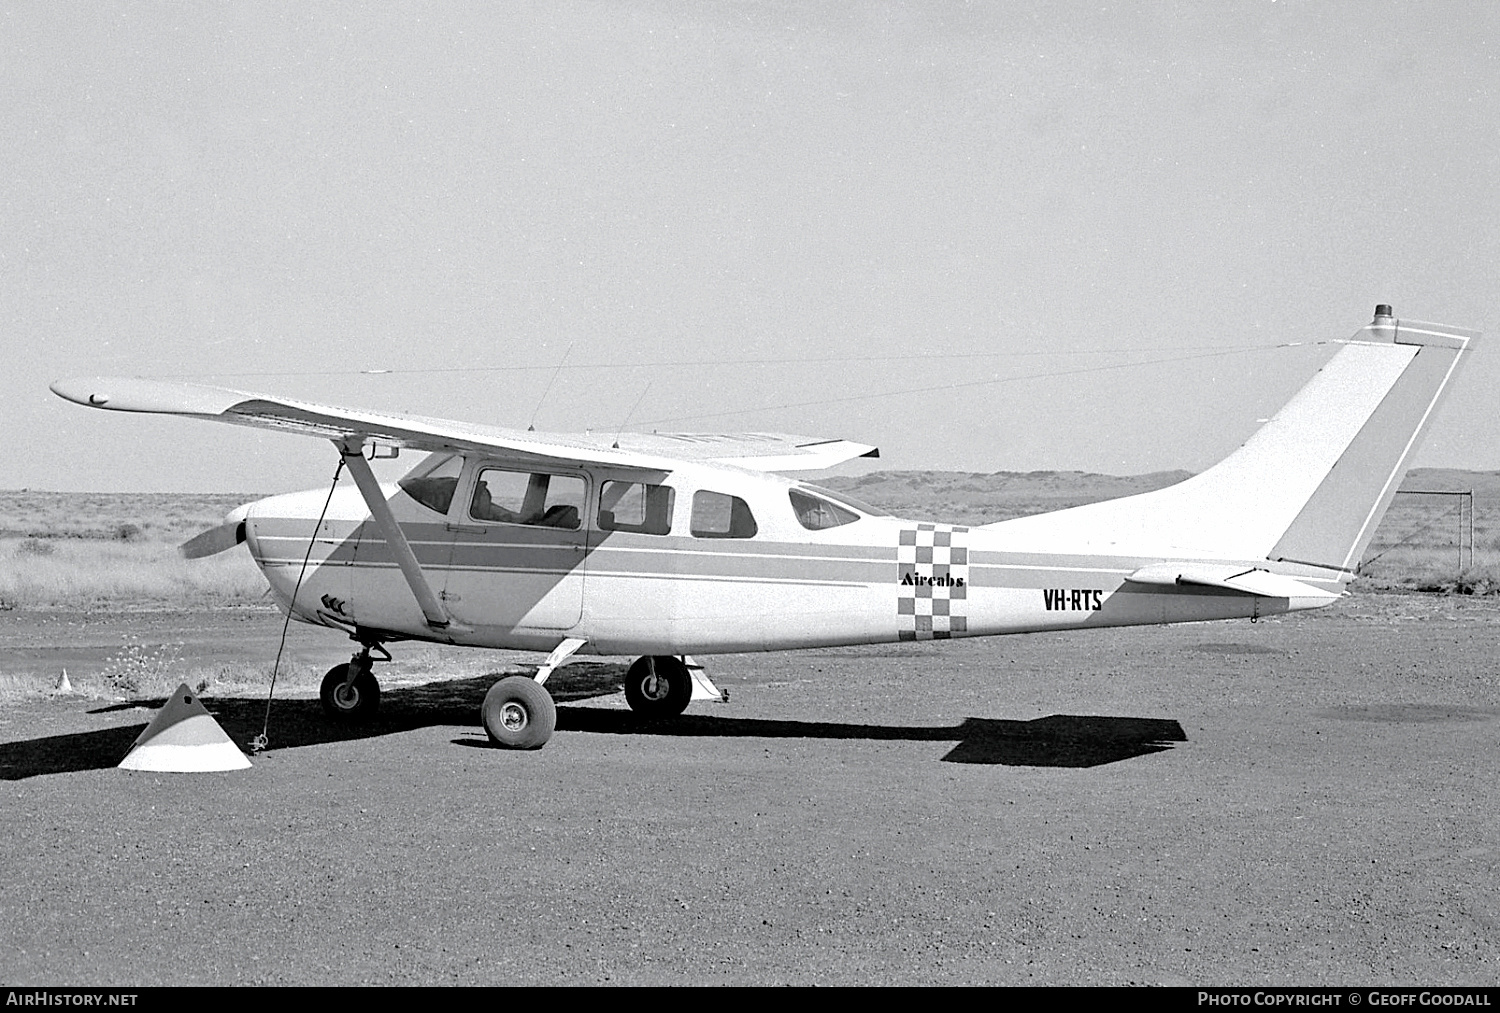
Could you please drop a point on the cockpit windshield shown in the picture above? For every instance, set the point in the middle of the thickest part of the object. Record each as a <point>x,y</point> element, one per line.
<point>433,482</point>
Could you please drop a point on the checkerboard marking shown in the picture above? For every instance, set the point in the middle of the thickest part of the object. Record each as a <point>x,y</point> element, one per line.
<point>932,577</point>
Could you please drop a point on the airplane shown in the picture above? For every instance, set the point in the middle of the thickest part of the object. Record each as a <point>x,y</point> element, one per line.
<point>671,546</point>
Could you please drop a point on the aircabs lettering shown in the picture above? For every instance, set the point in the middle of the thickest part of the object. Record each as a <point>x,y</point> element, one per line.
<point>918,580</point>
<point>1072,599</point>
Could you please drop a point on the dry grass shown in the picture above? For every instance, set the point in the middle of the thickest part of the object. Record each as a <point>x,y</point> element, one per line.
<point>1417,546</point>
<point>149,517</point>
<point>153,672</point>
<point>139,670</point>
<point>85,548</point>
<point>74,571</point>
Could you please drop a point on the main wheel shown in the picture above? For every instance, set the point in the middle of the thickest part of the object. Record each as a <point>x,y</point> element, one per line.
<point>345,701</point>
<point>518,713</point>
<point>658,686</point>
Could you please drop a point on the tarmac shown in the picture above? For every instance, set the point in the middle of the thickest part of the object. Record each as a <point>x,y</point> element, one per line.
<point>1305,800</point>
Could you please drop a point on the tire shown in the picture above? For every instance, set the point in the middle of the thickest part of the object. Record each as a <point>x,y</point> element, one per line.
<point>356,702</point>
<point>518,713</point>
<point>658,686</point>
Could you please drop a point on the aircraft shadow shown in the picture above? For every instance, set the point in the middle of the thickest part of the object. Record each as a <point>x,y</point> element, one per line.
<point>1060,740</point>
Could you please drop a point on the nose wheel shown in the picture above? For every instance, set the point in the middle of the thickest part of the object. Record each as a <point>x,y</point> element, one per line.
<point>350,692</point>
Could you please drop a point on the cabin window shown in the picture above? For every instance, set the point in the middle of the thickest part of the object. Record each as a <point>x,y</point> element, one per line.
<point>717,515</point>
<point>636,506</point>
<point>433,482</point>
<point>858,505</point>
<point>816,514</point>
<point>534,498</point>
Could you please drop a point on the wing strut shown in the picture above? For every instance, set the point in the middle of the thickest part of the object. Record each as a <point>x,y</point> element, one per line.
<point>437,616</point>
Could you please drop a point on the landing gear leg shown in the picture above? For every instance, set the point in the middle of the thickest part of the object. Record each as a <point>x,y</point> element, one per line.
<point>350,692</point>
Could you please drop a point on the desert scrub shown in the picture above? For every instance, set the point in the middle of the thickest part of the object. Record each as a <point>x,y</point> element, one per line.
<point>1435,568</point>
<point>139,666</point>
<point>69,571</point>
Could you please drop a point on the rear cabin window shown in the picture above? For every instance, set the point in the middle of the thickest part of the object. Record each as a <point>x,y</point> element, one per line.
<point>816,514</point>
<point>636,506</point>
<point>843,499</point>
<point>717,515</point>
<point>533,498</point>
<point>432,483</point>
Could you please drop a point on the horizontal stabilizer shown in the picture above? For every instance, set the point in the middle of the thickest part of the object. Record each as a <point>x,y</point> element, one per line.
<point>1262,583</point>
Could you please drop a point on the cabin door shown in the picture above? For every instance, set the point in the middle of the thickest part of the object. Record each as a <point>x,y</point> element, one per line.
<point>518,550</point>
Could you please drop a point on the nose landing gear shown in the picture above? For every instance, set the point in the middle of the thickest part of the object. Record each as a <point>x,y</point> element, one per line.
<point>350,692</point>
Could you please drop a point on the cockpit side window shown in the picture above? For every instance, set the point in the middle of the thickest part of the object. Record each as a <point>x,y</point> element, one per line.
<point>636,506</point>
<point>844,500</point>
<point>817,514</point>
<point>718,515</point>
<point>519,497</point>
<point>433,482</point>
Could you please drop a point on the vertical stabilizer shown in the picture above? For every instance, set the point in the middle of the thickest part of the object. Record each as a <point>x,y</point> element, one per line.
<point>1335,525</point>
<point>1309,486</point>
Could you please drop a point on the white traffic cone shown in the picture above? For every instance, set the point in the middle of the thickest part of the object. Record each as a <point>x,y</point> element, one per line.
<point>184,737</point>
<point>63,685</point>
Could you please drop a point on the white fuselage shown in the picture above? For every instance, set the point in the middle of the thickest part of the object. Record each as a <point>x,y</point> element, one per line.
<point>873,579</point>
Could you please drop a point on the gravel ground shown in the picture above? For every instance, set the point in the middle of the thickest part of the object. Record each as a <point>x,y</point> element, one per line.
<point>1306,800</point>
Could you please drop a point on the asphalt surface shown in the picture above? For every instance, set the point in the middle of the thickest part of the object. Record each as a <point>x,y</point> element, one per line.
<point>1307,800</point>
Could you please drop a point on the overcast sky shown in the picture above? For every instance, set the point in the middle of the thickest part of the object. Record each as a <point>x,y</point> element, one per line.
<point>1069,233</point>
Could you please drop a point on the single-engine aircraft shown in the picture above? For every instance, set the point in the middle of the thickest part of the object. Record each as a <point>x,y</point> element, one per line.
<point>670,546</point>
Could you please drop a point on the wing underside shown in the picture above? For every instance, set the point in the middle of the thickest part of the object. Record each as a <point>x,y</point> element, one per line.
<point>653,451</point>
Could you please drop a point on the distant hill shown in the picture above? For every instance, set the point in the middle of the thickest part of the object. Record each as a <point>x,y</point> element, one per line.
<point>954,497</point>
<point>126,516</point>
<point>958,497</point>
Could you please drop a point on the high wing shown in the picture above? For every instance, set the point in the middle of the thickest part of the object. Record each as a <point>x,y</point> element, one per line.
<point>652,451</point>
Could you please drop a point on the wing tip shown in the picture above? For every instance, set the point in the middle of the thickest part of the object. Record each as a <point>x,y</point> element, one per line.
<point>138,394</point>
<point>82,390</point>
